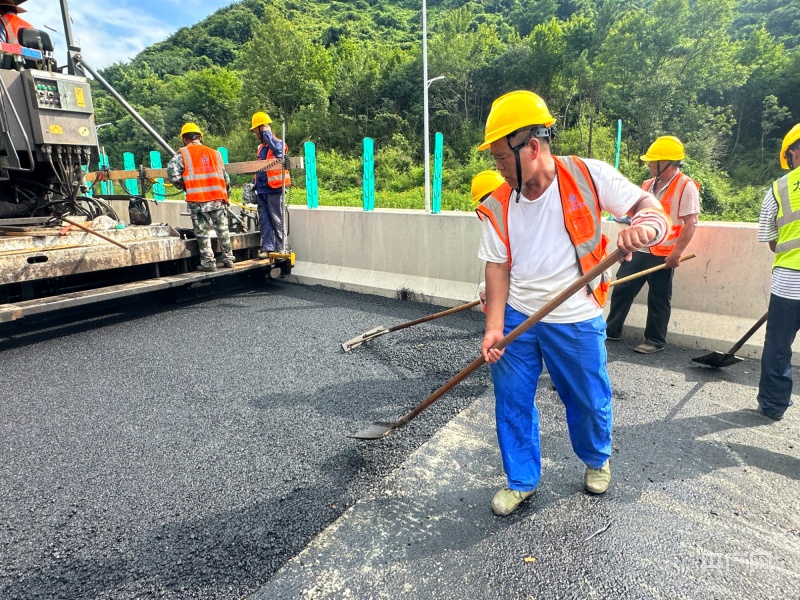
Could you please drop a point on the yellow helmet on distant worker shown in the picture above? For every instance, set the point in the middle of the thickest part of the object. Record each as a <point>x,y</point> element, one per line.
<point>514,111</point>
<point>666,147</point>
<point>260,118</point>
<point>190,128</point>
<point>791,138</point>
<point>484,183</point>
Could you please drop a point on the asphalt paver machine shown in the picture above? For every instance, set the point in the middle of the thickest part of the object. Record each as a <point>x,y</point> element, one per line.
<point>51,254</point>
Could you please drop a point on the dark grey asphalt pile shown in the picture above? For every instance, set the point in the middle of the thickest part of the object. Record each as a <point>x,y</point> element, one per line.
<point>189,451</point>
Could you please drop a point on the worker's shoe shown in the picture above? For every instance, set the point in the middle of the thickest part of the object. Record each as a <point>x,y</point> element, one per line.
<point>612,338</point>
<point>770,415</point>
<point>206,269</point>
<point>228,264</point>
<point>648,348</point>
<point>507,500</point>
<point>596,481</point>
<point>263,254</point>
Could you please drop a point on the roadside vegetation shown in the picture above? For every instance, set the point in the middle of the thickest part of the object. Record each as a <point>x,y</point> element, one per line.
<point>720,74</point>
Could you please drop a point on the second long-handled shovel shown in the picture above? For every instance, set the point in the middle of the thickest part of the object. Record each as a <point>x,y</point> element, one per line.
<point>718,359</point>
<point>381,429</point>
<point>379,331</point>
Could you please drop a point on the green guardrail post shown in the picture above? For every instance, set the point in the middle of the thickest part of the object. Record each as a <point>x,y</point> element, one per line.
<point>129,163</point>
<point>312,185</point>
<point>159,193</point>
<point>224,153</point>
<point>619,143</point>
<point>369,174</point>
<point>438,152</point>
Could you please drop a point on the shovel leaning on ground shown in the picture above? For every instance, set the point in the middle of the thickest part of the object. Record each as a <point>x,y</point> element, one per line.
<point>718,359</point>
<point>382,429</point>
<point>379,331</point>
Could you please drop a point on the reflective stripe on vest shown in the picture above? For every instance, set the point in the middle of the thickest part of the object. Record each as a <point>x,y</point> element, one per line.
<point>671,202</point>
<point>12,24</point>
<point>581,208</point>
<point>787,193</point>
<point>274,175</point>
<point>203,174</point>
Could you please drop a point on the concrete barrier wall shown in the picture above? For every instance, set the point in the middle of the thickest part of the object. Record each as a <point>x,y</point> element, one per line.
<point>717,296</point>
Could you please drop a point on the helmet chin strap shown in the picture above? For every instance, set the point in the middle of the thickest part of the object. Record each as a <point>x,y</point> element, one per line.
<point>516,149</point>
<point>789,159</point>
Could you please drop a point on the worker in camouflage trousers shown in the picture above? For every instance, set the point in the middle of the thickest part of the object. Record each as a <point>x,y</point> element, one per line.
<point>200,171</point>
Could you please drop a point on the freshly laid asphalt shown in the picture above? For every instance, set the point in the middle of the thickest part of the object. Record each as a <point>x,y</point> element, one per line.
<point>202,451</point>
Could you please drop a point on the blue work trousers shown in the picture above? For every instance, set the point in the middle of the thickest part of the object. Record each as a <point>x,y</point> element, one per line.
<point>575,355</point>
<point>775,386</point>
<point>270,221</point>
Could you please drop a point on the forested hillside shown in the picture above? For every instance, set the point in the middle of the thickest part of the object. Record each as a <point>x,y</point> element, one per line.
<point>722,75</point>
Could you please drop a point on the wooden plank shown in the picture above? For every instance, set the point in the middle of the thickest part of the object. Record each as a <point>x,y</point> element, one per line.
<point>241,168</point>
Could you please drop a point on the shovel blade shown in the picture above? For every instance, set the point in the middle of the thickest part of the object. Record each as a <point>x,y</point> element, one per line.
<point>717,360</point>
<point>375,431</point>
<point>357,341</point>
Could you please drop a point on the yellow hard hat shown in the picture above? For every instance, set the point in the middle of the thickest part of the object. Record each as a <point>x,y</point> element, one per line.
<point>514,111</point>
<point>190,128</point>
<point>485,183</point>
<point>666,147</point>
<point>791,138</point>
<point>260,118</point>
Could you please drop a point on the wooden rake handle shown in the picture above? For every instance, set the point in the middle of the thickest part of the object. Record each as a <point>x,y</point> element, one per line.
<point>579,284</point>
<point>444,313</point>
<point>648,271</point>
<point>93,232</point>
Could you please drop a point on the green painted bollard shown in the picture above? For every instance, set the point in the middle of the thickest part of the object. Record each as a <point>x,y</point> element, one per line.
<point>159,193</point>
<point>224,153</point>
<point>619,143</point>
<point>438,152</point>
<point>312,189</point>
<point>129,163</point>
<point>369,174</point>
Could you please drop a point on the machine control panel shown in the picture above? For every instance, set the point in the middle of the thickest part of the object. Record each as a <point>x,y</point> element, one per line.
<point>61,109</point>
<point>47,94</point>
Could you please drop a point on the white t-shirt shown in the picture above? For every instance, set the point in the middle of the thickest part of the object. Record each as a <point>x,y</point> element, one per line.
<point>544,262</point>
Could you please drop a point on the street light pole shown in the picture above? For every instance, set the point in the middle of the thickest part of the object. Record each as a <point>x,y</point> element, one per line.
<point>426,84</point>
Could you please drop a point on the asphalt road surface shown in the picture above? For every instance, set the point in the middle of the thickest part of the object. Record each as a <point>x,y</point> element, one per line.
<point>202,451</point>
<point>188,451</point>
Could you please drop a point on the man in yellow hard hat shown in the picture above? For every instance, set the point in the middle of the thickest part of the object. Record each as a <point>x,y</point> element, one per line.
<point>269,185</point>
<point>679,194</point>
<point>200,171</point>
<point>779,226</point>
<point>483,184</point>
<point>547,218</point>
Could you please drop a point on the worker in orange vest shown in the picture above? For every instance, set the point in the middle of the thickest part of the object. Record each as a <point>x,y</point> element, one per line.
<point>679,194</point>
<point>541,232</point>
<point>200,171</point>
<point>12,23</point>
<point>269,186</point>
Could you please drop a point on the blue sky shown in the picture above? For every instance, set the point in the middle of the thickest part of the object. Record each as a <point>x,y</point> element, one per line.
<point>109,31</point>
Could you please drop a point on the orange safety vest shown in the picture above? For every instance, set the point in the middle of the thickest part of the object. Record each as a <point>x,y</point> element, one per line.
<point>13,24</point>
<point>203,174</point>
<point>582,219</point>
<point>671,201</point>
<point>274,175</point>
